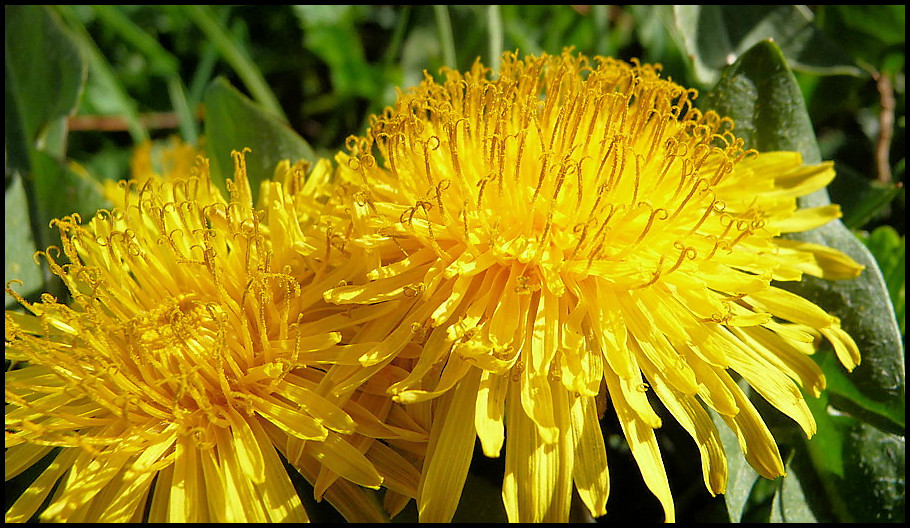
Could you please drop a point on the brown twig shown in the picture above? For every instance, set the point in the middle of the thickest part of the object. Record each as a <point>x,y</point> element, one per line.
<point>885,127</point>
<point>113,123</point>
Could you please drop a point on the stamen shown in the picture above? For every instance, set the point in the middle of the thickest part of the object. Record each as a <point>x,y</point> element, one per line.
<point>685,252</point>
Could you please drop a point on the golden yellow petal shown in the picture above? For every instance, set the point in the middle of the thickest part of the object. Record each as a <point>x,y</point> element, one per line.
<point>127,501</point>
<point>643,445</point>
<point>218,498</point>
<point>826,262</point>
<point>755,440</point>
<point>88,475</point>
<point>279,496</point>
<point>246,447</point>
<point>398,474</point>
<point>336,454</point>
<point>242,498</point>
<point>158,507</point>
<point>844,346</point>
<point>589,470</point>
<point>791,307</point>
<point>327,413</point>
<point>538,474</point>
<point>690,414</point>
<point>489,413</point>
<point>291,421</point>
<point>537,401</point>
<point>770,382</point>
<point>31,499</point>
<point>785,356</point>
<point>449,452</point>
<point>806,219</point>
<point>184,499</point>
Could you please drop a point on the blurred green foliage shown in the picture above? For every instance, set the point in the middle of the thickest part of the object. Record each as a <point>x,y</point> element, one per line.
<point>84,84</point>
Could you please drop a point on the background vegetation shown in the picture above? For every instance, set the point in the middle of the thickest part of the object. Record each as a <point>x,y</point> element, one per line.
<point>85,84</point>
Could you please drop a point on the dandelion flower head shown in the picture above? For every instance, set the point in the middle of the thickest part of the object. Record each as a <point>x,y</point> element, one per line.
<point>191,355</point>
<point>564,232</point>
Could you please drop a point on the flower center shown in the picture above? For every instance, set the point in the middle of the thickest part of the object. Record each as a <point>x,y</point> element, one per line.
<point>611,173</point>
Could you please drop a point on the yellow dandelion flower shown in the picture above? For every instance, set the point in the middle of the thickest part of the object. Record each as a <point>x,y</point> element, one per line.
<point>566,231</point>
<point>190,356</point>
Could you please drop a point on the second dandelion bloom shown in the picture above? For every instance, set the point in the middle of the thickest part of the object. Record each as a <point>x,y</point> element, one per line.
<point>565,233</point>
<point>190,367</point>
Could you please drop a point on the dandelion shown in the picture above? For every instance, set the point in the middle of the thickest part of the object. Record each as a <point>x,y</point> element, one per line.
<point>567,232</point>
<point>190,366</point>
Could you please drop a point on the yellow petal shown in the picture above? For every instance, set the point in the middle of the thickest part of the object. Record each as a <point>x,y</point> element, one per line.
<point>326,412</point>
<point>770,382</point>
<point>695,420</point>
<point>339,456</point>
<point>291,421</point>
<point>844,346</point>
<point>755,440</point>
<point>792,307</point>
<point>643,444</point>
<point>785,356</point>
<point>589,472</point>
<point>242,499</point>
<point>449,452</point>
<point>827,263</point>
<point>537,480</point>
<point>246,447</point>
<point>537,402</point>
<point>280,498</point>
<point>184,504</point>
<point>488,416</point>
<point>806,219</point>
<point>31,499</point>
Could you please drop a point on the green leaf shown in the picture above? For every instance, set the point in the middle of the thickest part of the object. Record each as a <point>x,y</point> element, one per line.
<point>861,468</point>
<point>104,91</point>
<point>889,250</point>
<point>235,55</point>
<point>45,73</point>
<point>792,503</point>
<point>741,477</point>
<point>715,35</point>
<point>862,200</point>
<point>872,33</point>
<point>759,93</point>
<point>329,32</point>
<point>45,70</point>
<point>61,190</point>
<point>20,244</point>
<point>234,122</point>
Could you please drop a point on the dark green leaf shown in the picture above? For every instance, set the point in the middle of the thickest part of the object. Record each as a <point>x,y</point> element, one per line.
<point>105,92</point>
<point>234,122</point>
<point>20,245</point>
<point>759,93</point>
<point>61,191</point>
<point>861,199</point>
<point>329,32</point>
<point>45,74</point>
<point>761,96</point>
<point>741,477</point>
<point>872,33</point>
<point>715,35</point>
<point>861,468</point>
<point>45,69</point>
<point>800,497</point>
